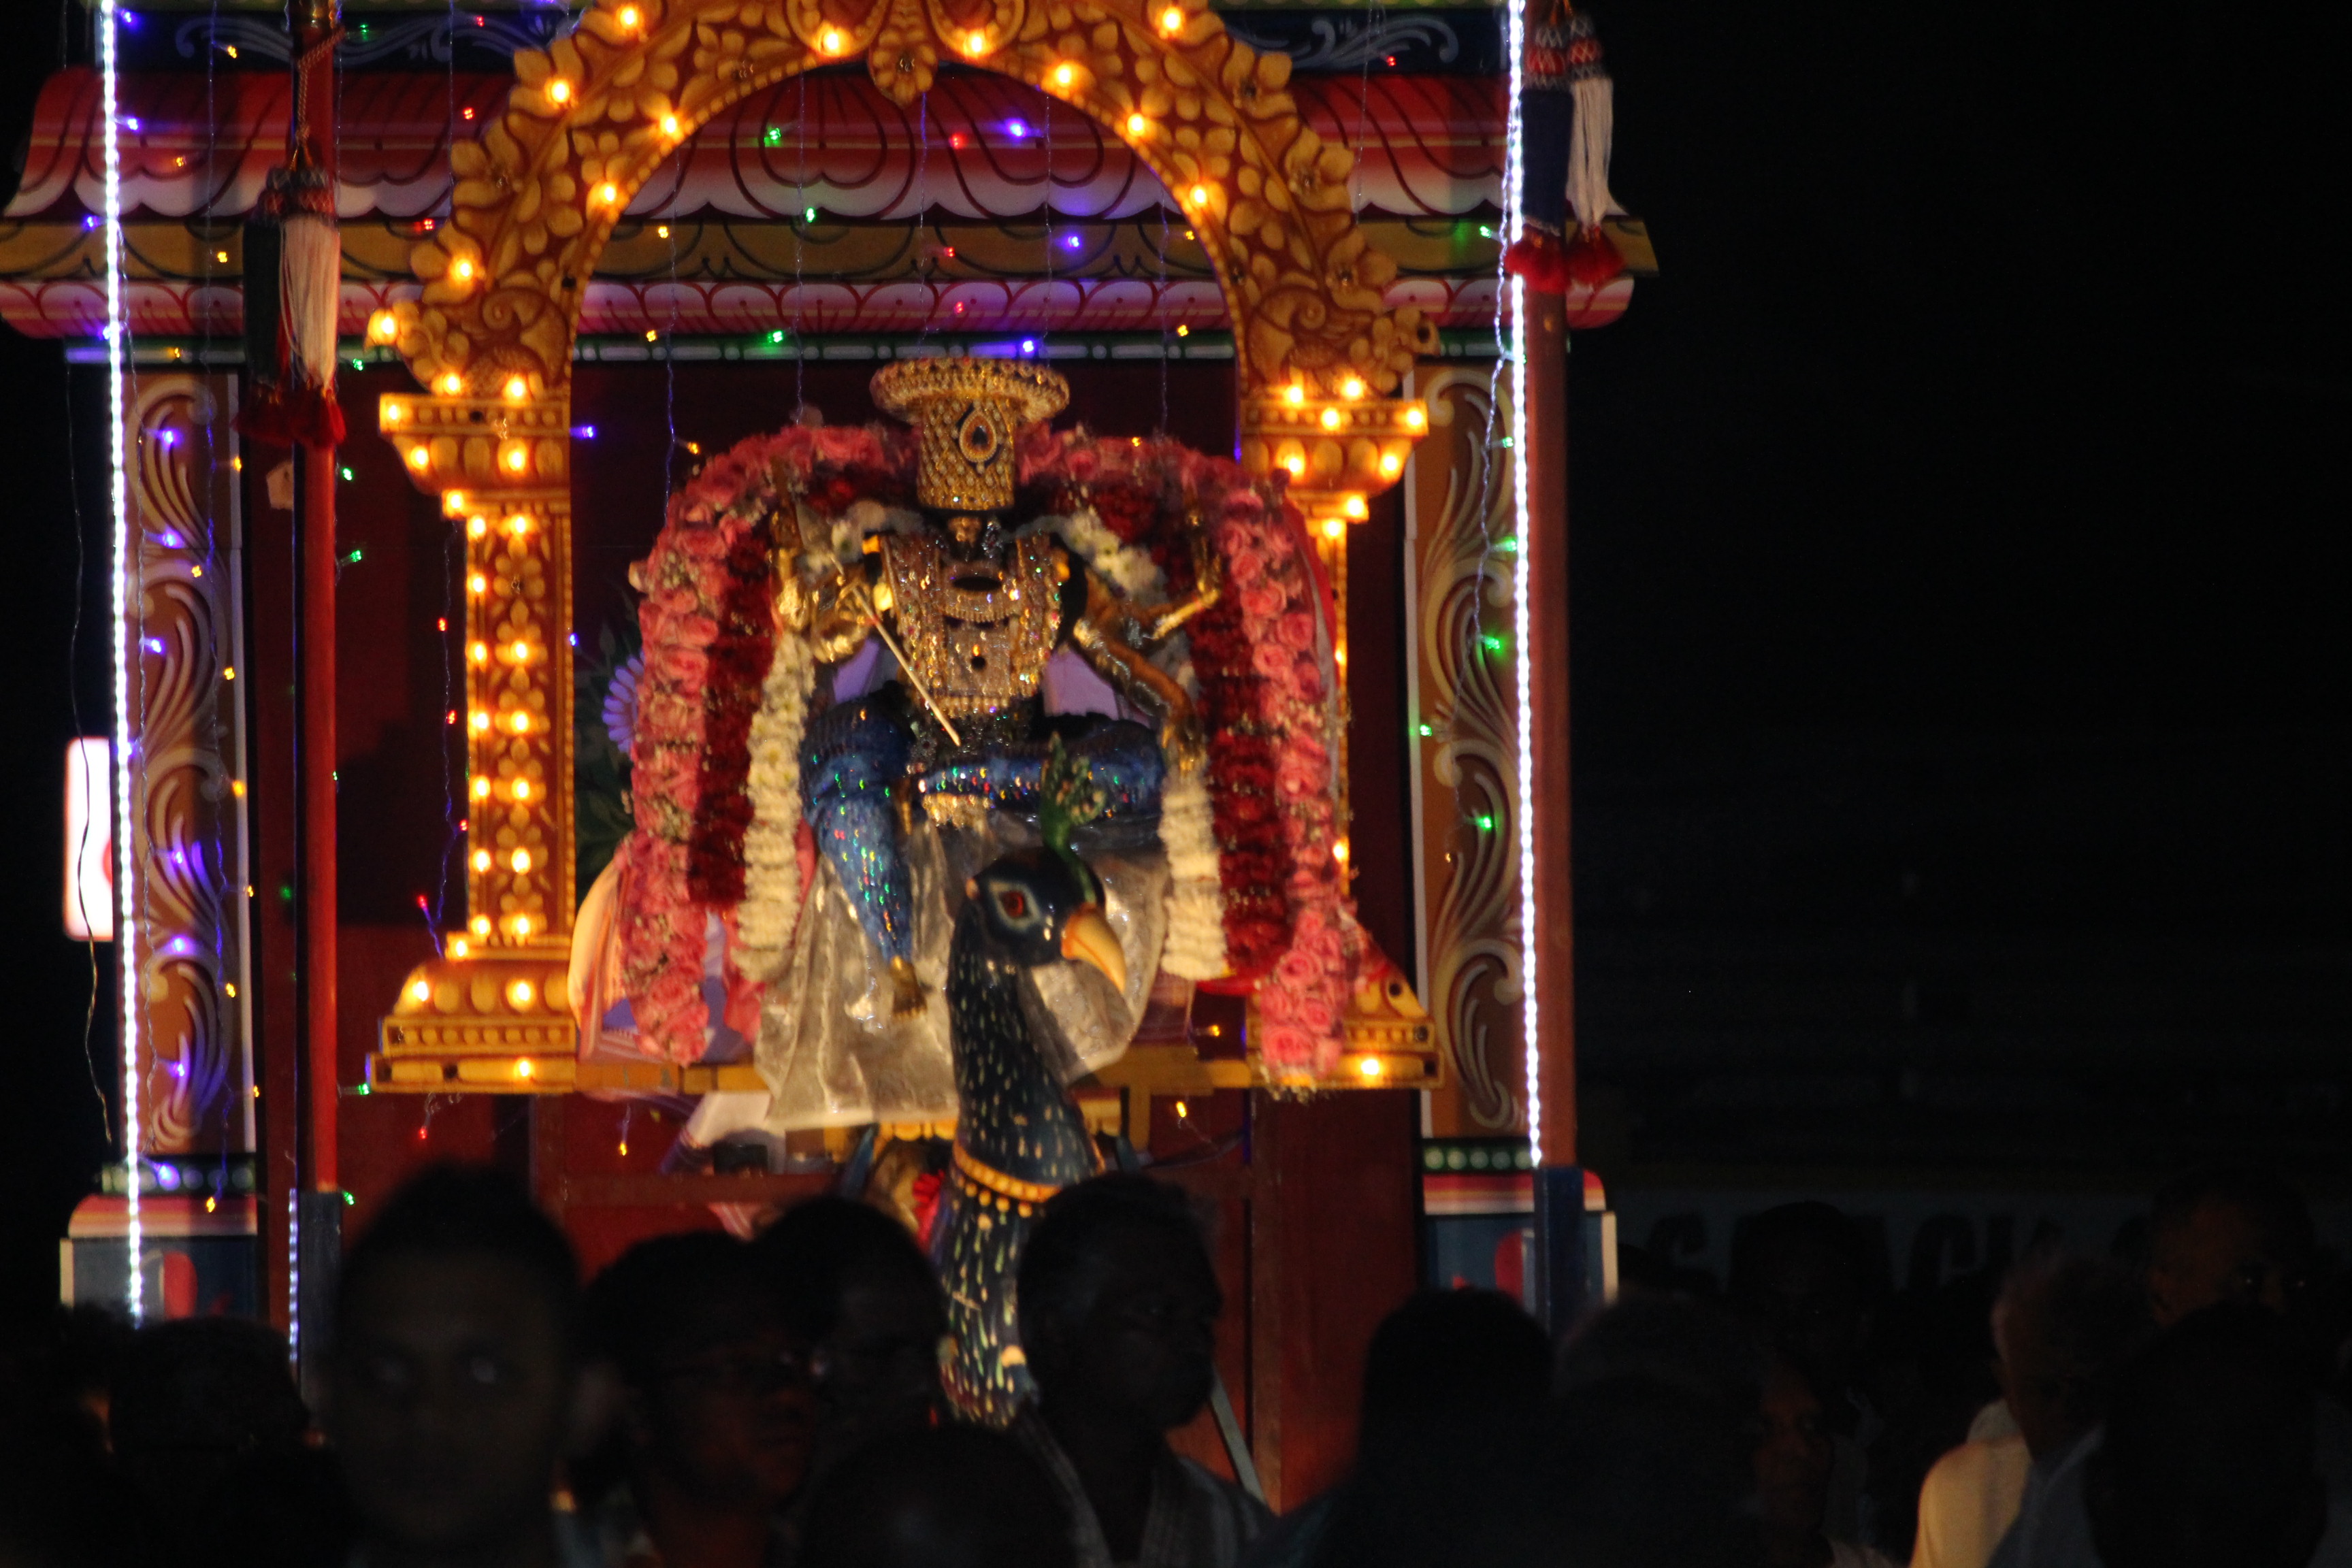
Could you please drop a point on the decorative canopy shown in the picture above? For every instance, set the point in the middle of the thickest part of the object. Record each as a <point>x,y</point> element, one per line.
<point>1427,147</point>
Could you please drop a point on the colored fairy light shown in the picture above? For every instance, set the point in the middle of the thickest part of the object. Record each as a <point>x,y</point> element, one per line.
<point>119,516</point>
<point>1017,129</point>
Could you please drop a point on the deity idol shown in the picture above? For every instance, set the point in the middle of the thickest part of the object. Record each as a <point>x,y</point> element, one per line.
<point>971,612</point>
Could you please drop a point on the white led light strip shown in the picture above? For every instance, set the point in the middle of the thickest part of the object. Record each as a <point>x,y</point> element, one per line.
<point>125,667</point>
<point>1522,585</point>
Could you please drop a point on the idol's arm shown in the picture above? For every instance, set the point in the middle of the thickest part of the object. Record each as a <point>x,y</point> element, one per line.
<point>1100,634</point>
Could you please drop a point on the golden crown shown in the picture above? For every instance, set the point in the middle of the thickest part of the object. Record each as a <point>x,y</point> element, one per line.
<point>969,410</point>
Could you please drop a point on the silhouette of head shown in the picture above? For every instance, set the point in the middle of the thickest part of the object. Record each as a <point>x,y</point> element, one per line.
<point>1118,1303</point>
<point>2208,1455</point>
<point>454,1383</point>
<point>955,1497</point>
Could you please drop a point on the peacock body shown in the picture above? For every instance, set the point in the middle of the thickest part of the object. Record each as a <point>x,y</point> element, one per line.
<point>1019,1138</point>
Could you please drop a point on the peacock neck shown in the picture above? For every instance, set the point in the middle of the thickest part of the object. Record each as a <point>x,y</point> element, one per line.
<point>1014,1115</point>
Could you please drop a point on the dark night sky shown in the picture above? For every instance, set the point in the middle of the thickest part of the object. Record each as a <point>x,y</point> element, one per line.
<point>1993,396</point>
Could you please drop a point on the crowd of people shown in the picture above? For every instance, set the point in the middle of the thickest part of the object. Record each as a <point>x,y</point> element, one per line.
<point>711,1403</point>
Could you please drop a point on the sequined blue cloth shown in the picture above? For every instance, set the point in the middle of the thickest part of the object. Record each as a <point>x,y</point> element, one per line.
<point>850,756</point>
<point>853,752</point>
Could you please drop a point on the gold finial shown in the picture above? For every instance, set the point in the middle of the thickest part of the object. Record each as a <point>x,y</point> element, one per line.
<point>969,410</point>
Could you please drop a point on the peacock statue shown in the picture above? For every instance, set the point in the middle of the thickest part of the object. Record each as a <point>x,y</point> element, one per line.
<point>1019,1136</point>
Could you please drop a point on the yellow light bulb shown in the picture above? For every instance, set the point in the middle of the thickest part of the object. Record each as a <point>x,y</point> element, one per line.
<point>1334,528</point>
<point>521,651</point>
<point>478,526</point>
<point>830,41</point>
<point>478,584</point>
<point>522,925</point>
<point>522,789</point>
<point>393,413</point>
<point>522,1068</point>
<point>419,458</point>
<point>1339,850</point>
<point>479,653</point>
<point>608,192</point>
<point>1352,387</point>
<point>383,327</point>
<point>522,860</point>
<point>481,860</point>
<point>1296,464</point>
<point>1294,395</point>
<point>1331,419</point>
<point>1355,508</point>
<point>1391,465</point>
<point>669,128</point>
<point>516,389</point>
<point>452,385</point>
<point>1415,417</point>
<point>481,924</point>
<point>481,787</point>
<point>559,91</point>
<point>420,991</point>
<point>1138,126</point>
<point>518,524</point>
<point>1370,1067</point>
<point>1199,196</point>
<point>1063,75</point>
<point>459,947</point>
<point>478,719</point>
<point>462,270</point>
<point>975,43</point>
<point>1172,20</point>
<point>629,16</point>
<point>522,723</point>
<point>516,458</point>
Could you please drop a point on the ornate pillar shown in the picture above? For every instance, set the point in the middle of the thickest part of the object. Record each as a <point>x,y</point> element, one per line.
<point>492,1012</point>
<point>185,868</point>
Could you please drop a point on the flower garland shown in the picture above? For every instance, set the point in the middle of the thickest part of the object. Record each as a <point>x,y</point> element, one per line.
<point>711,638</point>
<point>1273,776</point>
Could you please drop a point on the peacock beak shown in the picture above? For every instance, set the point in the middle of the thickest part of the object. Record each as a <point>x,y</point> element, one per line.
<point>1087,938</point>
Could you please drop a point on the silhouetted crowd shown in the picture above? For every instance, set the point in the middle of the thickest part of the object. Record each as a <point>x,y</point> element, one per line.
<point>711,1403</point>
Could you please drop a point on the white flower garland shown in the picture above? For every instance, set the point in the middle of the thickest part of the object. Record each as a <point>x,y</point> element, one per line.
<point>771,866</point>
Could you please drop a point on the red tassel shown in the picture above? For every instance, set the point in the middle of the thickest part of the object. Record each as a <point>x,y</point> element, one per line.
<point>1538,258</point>
<point>1591,260</point>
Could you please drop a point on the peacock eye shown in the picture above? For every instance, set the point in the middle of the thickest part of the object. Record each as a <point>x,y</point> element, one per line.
<point>1013,903</point>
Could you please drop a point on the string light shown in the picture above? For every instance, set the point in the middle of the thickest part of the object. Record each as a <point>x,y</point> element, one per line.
<point>1172,20</point>
<point>559,91</point>
<point>1522,580</point>
<point>119,515</point>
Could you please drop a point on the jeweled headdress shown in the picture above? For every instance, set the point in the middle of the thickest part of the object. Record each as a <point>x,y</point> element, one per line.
<point>969,410</point>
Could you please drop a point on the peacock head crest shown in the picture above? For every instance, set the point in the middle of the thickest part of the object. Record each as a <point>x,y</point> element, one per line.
<point>1067,799</point>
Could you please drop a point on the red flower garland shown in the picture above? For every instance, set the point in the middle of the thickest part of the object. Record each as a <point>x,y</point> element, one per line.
<point>710,632</point>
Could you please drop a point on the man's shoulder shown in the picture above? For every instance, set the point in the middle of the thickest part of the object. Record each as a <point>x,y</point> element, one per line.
<point>1229,1497</point>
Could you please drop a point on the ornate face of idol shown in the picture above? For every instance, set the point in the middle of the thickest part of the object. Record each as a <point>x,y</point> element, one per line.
<point>966,528</point>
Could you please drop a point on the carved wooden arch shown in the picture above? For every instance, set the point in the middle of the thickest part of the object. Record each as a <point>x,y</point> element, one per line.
<point>537,194</point>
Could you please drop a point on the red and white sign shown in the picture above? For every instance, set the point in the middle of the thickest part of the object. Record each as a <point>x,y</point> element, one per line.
<point>90,839</point>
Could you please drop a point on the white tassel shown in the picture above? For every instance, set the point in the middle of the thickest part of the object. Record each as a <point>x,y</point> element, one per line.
<point>1587,150</point>
<point>310,289</point>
